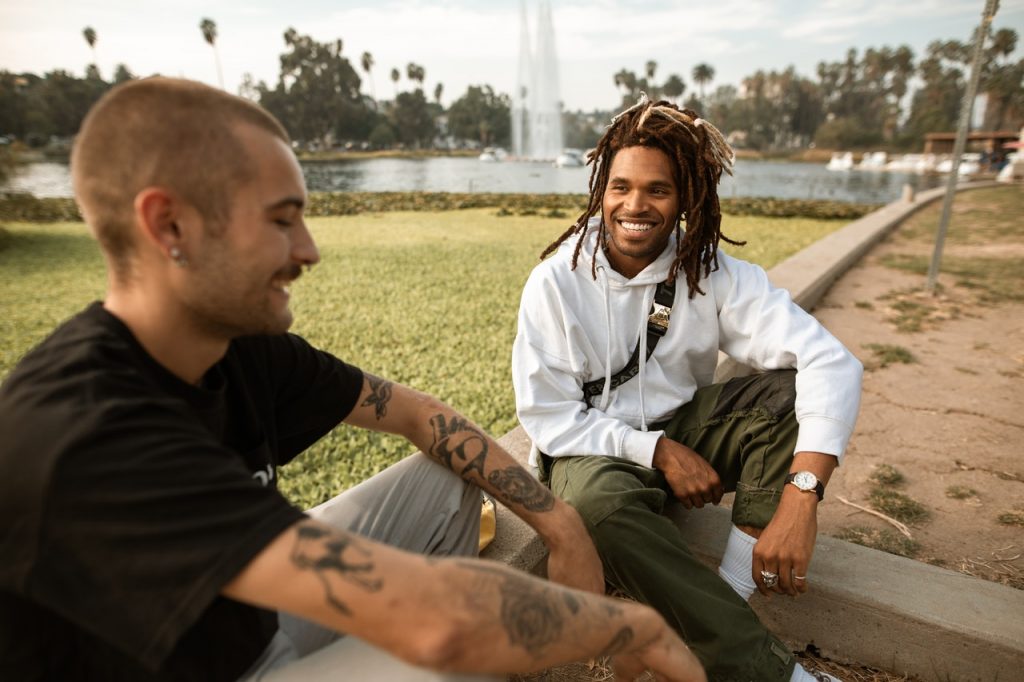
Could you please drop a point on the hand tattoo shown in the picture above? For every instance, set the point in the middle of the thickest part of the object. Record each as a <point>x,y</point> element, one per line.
<point>458,438</point>
<point>321,551</point>
<point>380,394</point>
<point>517,485</point>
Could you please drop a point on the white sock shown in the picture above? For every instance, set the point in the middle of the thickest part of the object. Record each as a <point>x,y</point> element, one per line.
<point>801,675</point>
<point>737,563</point>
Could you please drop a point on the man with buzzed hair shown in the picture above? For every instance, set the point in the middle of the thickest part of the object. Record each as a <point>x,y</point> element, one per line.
<point>613,365</point>
<point>144,537</point>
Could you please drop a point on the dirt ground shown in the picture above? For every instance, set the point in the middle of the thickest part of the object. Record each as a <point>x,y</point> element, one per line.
<point>939,441</point>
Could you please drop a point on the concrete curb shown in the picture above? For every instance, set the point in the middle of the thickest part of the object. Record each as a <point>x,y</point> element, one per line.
<point>866,606</point>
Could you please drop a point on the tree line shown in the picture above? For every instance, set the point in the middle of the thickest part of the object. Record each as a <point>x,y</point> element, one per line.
<point>318,95</point>
<point>862,101</point>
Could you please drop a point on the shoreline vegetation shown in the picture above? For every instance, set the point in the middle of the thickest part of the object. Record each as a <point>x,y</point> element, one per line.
<point>28,208</point>
<point>20,154</point>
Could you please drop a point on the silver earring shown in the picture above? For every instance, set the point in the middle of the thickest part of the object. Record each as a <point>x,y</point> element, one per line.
<point>178,257</point>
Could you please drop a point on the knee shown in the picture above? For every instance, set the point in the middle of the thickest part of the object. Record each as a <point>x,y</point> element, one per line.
<point>606,511</point>
<point>468,494</point>
<point>776,393</point>
<point>773,393</point>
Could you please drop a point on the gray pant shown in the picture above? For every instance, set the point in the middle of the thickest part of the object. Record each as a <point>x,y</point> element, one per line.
<point>416,505</point>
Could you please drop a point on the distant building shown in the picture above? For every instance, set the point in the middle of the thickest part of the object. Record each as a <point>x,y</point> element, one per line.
<point>980,141</point>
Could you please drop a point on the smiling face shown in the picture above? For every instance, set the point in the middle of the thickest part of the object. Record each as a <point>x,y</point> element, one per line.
<point>242,270</point>
<point>640,208</point>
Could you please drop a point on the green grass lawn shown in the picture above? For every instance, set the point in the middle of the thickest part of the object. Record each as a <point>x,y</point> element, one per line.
<point>428,299</point>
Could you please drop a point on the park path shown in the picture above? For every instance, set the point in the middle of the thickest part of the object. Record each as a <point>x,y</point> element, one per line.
<point>950,422</point>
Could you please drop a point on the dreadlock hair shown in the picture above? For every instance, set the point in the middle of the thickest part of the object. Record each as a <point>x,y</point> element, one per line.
<point>698,154</point>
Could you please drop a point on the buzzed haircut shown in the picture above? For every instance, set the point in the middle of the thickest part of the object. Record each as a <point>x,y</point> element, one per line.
<point>161,132</point>
<point>698,155</point>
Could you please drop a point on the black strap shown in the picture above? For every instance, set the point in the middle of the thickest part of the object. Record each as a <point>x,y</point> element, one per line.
<point>657,325</point>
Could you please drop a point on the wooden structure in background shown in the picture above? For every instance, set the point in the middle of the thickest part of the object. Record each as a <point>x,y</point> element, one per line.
<point>979,141</point>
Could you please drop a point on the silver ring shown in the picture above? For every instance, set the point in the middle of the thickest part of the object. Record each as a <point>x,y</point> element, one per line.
<point>770,579</point>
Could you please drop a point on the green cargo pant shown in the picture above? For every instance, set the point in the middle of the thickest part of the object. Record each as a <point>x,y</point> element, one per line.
<point>746,429</point>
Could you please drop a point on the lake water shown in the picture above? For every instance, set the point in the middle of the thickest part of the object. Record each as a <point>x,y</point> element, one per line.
<point>461,174</point>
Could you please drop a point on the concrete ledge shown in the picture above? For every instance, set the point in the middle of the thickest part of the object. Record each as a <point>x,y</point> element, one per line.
<point>886,611</point>
<point>515,543</point>
<point>866,606</point>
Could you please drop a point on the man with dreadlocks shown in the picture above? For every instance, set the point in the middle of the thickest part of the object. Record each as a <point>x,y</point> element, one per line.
<point>618,340</point>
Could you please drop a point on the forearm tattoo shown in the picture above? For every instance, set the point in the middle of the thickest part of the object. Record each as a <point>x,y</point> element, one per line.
<point>380,394</point>
<point>531,613</point>
<point>619,642</point>
<point>331,556</point>
<point>457,438</point>
<point>531,616</point>
<point>517,485</point>
<point>536,615</point>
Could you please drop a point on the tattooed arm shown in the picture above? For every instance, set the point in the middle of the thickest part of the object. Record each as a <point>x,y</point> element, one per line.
<point>460,615</point>
<point>456,443</point>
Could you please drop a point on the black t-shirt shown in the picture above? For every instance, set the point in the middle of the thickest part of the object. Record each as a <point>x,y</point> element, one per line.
<point>129,498</point>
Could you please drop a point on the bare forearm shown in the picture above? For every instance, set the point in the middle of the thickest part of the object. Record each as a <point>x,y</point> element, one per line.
<point>454,442</point>
<point>531,624</point>
<point>458,444</point>
<point>438,613</point>
<point>818,463</point>
<point>805,504</point>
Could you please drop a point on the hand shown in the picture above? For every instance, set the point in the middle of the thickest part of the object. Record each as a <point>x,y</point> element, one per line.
<point>667,657</point>
<point>689,475</point>
<point>787,543</point>
<point>572,557</point>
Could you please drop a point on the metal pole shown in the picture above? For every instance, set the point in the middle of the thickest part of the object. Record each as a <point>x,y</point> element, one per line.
<point>961,139</point>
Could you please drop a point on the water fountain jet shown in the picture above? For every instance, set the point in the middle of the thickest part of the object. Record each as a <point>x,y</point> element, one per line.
<point>536,101</point>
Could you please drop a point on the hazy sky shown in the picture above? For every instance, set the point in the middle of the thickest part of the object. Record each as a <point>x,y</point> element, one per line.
<point>462,42</point>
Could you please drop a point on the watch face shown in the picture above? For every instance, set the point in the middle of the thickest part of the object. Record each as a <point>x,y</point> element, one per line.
<point>805,480</point>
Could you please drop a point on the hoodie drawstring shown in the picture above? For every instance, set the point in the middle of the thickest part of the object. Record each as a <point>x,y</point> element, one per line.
<point>606,392</point>
<point>648,300</point>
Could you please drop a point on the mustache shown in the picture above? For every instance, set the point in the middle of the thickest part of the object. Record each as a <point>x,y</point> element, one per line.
<point>291,273</point>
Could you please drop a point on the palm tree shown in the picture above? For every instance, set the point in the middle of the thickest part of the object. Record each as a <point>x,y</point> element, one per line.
<point>90,37</point>
<point>367,62</point>
<point>438,90</point>
<point>415,72</point>
<point>209,29</point>
<point>703,74</point>
<point>650,67</point>
<point>627,80</point>
<point>395,75</point>
<point>674,87</point>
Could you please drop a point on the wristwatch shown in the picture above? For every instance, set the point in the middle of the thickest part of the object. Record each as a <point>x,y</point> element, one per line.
<point>808,482</point>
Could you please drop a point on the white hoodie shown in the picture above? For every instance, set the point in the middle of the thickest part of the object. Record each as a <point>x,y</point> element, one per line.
<point>573,329</point>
